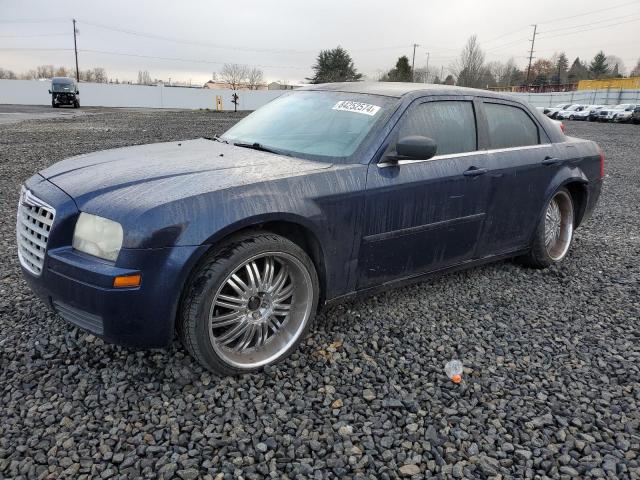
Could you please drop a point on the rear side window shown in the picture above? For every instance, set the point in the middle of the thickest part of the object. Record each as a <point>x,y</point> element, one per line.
<point>452,124</point>
<point>510,126</point>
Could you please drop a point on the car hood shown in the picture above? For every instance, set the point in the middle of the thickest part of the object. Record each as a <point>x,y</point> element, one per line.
<point>145,176</point>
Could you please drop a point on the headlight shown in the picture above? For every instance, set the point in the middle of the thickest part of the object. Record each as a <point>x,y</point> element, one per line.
<point>98,236</point>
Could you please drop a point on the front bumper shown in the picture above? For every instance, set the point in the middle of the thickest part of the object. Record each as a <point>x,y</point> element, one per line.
<point>79,287</point>
<point>63,98</point>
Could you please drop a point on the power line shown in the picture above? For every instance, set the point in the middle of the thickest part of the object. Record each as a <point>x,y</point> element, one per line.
<point>178,59</point>
<point>35,35</point>
<point>555,20</point>
<point>590,12</point>
<point>51,20</point>
<point>590,29</point>
<point>587,24</point>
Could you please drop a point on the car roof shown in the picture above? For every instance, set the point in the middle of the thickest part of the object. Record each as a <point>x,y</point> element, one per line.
<point>400,89</point>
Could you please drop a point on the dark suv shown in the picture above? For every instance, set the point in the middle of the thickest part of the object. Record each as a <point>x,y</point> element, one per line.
<point>64,91</point>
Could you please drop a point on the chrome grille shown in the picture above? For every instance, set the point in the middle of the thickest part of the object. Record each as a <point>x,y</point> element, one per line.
<point>35,219</point>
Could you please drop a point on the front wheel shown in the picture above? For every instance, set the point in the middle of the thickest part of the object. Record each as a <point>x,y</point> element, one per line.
<point>249,304</point>
<point>554,232</point>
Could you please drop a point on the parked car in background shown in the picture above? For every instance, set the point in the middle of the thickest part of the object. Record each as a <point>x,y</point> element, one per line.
<point>64,91</point>
<point>552,112</point>
<point>594,111</point>
<point>325,193</point>
<point>624,116</point>
<point>635,118</point>
<point>608,114</point>
<point>570,113</point>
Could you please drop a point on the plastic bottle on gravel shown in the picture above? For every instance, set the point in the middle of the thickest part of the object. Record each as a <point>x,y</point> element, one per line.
<point>453,369</point>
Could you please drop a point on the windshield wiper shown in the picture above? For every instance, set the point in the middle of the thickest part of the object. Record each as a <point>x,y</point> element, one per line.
<point>256,146</point>
<point>216,138</point>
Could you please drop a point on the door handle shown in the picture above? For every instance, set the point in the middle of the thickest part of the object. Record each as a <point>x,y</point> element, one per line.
<point>550,161</point>
<point>474,172</point>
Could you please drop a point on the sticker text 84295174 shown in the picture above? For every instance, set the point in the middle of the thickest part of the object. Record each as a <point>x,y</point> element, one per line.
<point>356,107</point>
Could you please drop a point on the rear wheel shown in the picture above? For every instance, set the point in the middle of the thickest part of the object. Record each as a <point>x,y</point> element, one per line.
<point>554,232</point>
<point>249,304</point>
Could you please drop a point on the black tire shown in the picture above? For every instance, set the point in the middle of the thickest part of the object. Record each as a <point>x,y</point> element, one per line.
<point>54,105</point>
<point>543,255</point>
<point>76,104</point>
<point>571,117</point>
<point>208,281</point>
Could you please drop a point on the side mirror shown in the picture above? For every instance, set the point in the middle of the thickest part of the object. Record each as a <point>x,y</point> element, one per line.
<point>49,92</point>
<point>77,92</point>
<point>414,147</point>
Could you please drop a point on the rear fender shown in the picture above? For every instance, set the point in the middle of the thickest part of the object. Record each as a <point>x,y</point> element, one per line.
<point>567,176</point>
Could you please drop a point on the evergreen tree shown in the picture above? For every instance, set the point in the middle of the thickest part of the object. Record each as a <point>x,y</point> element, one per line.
<point>578,71</point>
<point>562,68</point>
<point>599,67</point>
<point>402,71</point>
<point>334,66</point>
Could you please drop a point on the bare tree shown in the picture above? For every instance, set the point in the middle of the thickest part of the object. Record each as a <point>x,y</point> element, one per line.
<point>29,75</point>
<point>7,74</point>
<point>469,69</point>
<point>99,75</point>
<point>62,72</point>
<point>613,60</point>
<point>254,78</point>
<point>44,71</point>
<point>234,74</point>
<point>144,78</point>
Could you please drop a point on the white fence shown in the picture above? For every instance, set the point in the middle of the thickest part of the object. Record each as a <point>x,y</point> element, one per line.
<point>586,97</point>
<point>33,92</point>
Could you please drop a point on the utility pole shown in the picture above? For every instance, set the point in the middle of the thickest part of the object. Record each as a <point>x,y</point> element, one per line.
<point>413,62</point>
<point>426,72</point>
<point>75,47</point>
<point>533,41</point>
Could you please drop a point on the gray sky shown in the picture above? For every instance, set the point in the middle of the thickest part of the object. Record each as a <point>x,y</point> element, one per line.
<point>284,36</point>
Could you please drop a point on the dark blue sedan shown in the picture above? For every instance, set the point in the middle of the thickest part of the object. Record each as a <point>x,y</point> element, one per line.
<point>326,192</point>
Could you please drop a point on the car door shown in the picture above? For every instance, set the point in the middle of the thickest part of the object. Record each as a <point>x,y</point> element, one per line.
<point>424,215</point>
<point>522,162</point>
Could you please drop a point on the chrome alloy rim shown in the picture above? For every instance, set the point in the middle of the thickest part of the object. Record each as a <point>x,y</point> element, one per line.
<point>260,310</point>
<point>558,226</point>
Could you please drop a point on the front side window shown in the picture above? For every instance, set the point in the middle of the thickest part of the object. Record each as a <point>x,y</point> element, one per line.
<point>451,124</point>
<point>510,126</point>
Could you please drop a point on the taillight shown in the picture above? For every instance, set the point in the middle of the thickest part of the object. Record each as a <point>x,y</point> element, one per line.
<point>562,127</point>
<point>601,164</point>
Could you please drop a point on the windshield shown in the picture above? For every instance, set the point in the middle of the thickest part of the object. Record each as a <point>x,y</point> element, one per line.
<point>573,107</point>
<point>318,125</point>
<point>62,87</point>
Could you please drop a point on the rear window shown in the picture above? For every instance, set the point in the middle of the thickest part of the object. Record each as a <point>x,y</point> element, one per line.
<point>510,126</point>
<point>452,124</point>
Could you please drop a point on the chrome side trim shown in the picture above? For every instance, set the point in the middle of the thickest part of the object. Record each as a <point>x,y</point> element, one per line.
<point>463,154</point>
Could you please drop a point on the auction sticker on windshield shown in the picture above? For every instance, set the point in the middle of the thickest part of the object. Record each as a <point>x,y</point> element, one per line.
<point>357,107</point>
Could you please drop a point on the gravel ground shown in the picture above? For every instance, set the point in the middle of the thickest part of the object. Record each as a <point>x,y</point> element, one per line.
<point>552,359</point>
